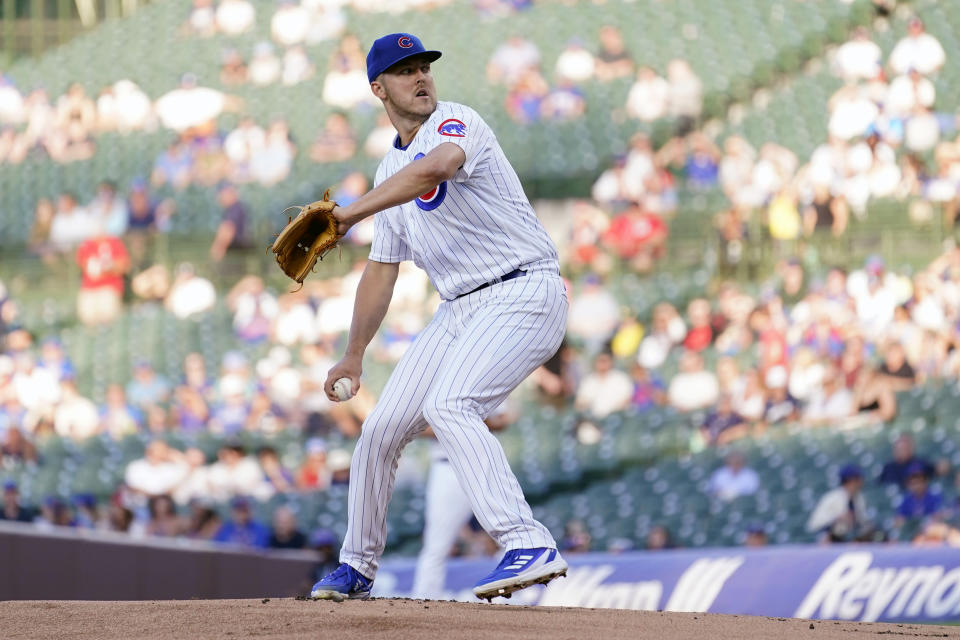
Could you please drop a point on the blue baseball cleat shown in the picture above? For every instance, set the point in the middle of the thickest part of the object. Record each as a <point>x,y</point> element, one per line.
<point>519,569</point>
<point>345,583</point>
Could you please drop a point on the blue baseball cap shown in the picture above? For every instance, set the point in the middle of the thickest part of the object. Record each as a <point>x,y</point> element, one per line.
<point>391,49</point>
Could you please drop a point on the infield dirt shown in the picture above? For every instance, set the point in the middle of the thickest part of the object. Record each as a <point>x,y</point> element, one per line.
<point>404,619</point>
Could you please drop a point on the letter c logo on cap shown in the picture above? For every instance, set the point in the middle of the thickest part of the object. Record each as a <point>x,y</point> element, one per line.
<point>405,42</point>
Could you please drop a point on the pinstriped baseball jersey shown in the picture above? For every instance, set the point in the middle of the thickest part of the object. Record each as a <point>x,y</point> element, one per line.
<point>469,230</point>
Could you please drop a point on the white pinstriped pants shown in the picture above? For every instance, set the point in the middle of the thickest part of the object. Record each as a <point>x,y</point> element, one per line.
<point>474,352</point>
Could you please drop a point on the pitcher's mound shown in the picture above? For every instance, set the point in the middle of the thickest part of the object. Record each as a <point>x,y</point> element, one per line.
<point>382,618</point>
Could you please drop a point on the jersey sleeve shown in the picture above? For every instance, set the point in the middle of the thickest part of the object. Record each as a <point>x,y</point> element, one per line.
<point>387,245</point>
<point>465,128</point>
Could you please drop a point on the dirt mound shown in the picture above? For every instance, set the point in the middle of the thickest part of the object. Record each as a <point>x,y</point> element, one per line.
<point>287,618</point>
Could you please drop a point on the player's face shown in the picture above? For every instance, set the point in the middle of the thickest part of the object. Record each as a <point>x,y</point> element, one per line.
<point>408,88</point>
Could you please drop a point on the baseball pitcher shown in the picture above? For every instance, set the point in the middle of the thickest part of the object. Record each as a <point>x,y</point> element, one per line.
<point>446,197</point>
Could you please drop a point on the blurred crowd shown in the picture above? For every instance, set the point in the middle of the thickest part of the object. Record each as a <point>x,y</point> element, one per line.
<point>831,349</point>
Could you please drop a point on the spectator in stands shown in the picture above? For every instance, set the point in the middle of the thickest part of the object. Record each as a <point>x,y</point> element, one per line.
<point>575,63</point>
<point>830,404</point>
<point>124,107</point>
<point>512,60</point>
<point>659,538</point>
<point>904,458</point>
<point>918,50</point>
<point>722,425</point>
<point>232,231</point>
<point>296,66</point>
<point>649,96</point>
<point>204,523</point>
<point>147,215</point>
<point>841,514</point>
<point>196,484</point>
<point>190,410</point>
<point>75,417</point>
<point>693,387</point>
<point>605,390</point>
<point>895,371</point>
<point>859,58</point>
<point>234,17</point>
<point>164,521</point>
<point>54,360</point>
<point>242,529</point>
<point>327,21</point>
<point>39,240</point>
<point>230,416</point>
<point>118,418</point>
<point>563,102</point>
<point>345,85</point>
<point>615,188</point>
<point>37,390</point>
<point>781,406</point>
<point>72,224</point>
<point>13,510</point>
<point>733,479</point>
<point>54,512</point>
<point>233,69</point>
<point>174,166</point>
<point>918,502</point>
<point>826,211</point>
<point>237,474</point>
<point>557,379</point>
<point>190,105</point>
<point>756,536</point>
<point>290,23</point>
<point>16,448</point>
<point>265,66</point>
<point>276,474</point>
<point>241,145</point>
<point>159,472</point>
<point>202,19</point>
<point>852,113</point>
<point>637,236</point>
<point>285,534</point>
<point>313,474</point>
<point>147,387</point>
<point>648,388</point>
<point>190,294</point>
<point>700,334</point>
<point>109,209</point>
<point>613,60</point>
<point>576,538</point>
<point>272,162</point>
<point>380,139</point>
<point>594,314</point>
<point>525,97</point>
<point>685,95</point>
<point>667,329</point>
<point>12,111</point>
<point>104,262</point>
<point>335,142</point>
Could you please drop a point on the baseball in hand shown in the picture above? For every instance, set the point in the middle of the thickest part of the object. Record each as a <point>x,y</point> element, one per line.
<point>343,388</point>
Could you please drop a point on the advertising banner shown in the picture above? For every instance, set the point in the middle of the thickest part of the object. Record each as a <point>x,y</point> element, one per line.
<point>850,582</point>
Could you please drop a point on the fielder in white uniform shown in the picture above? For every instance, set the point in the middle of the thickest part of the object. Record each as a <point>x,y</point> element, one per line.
<point>447,198</point>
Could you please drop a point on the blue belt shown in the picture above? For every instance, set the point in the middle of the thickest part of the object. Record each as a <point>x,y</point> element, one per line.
<point>516,273</point>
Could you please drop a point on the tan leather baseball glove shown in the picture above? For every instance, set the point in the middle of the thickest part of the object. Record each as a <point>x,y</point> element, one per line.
<point>306,238</point>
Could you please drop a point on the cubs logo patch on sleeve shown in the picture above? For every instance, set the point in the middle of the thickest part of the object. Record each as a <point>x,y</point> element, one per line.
<point>453,128</point>
<point>433,198</point>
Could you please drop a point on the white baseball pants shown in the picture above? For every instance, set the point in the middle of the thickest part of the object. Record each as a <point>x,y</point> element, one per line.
<point>474,352</point>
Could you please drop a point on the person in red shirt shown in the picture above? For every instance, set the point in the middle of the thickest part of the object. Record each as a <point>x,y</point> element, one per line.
<point>637,236</point>
<point>103,262</point>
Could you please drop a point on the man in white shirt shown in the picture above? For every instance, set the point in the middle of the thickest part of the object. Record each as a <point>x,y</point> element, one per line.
<point>72,224</point>
<point>733,479</point>
<point>918,50</point>
<point>694,387</point>
<point>158,472</point>
<point>605,390</point>
<point>860,57</point>
<point>841,514</point>
<point>648,97</point>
